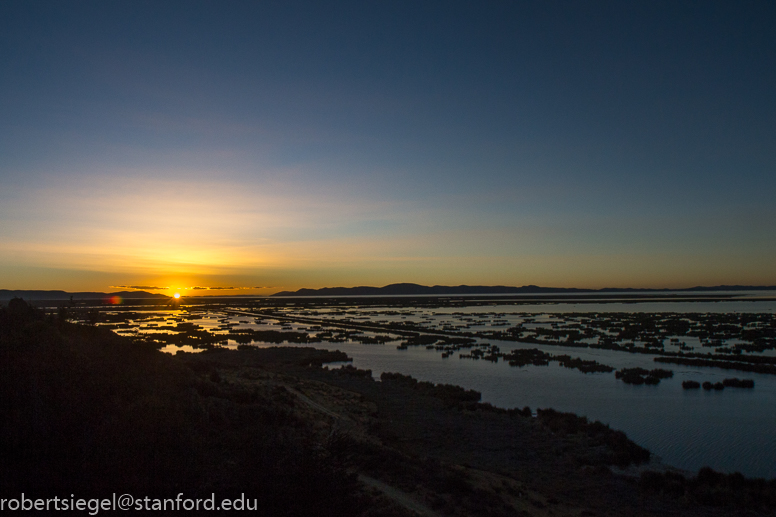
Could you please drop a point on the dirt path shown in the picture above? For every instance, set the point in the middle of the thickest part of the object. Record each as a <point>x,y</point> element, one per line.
<point>399,497</point>
<point>313,404</point>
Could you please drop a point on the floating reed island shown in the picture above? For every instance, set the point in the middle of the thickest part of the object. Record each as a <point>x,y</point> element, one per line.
<point>718,386</point>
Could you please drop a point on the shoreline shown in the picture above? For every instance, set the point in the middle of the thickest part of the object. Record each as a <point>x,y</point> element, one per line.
<point>199,329</point>
<point>377,448</point>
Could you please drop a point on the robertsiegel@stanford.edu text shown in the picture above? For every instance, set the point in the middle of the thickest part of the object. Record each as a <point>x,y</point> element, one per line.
<point>126,502</point>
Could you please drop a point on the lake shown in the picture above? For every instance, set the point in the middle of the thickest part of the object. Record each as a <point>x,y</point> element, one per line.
<point>729,430</point>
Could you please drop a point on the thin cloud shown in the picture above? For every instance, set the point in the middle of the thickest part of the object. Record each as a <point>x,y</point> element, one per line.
<point>230,288</point>
<point>191,288</point>
<point>139,287</point>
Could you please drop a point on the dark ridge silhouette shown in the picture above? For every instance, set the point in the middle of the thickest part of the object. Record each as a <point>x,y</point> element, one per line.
<point>416,289</point>
<point>6,294</point>
<point>388,290</point>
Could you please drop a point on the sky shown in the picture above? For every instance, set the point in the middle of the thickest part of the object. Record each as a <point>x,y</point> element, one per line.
<point>266,146</point>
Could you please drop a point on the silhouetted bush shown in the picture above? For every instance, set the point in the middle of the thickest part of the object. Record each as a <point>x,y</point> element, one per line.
<point>621,451</point>
<point>744,364</point>
<point>350,371</point>
<point>738,383</point>
<point>642,375</point>
<point>451,395</point>
<point>731,491</point>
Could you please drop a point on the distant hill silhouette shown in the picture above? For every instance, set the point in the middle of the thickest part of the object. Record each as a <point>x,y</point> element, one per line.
<point>6,294</point>
<point>416,289</point>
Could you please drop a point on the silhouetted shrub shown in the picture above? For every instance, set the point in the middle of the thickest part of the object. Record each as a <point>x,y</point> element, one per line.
<point>642,376</point>
<point>731,491</point>
<point>449,394</point>
<point>620,450</point>
<point>738,383</point>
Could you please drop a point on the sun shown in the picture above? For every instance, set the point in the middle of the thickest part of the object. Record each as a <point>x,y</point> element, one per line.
<point>176,295</point>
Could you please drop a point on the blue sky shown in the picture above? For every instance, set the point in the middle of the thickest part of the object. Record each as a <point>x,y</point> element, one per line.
<point>278,145</point>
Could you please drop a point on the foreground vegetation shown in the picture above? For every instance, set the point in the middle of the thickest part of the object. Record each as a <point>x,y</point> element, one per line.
<point>88,412</point>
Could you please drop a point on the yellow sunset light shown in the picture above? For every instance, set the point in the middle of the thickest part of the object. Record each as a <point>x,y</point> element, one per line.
<point>176,295</point>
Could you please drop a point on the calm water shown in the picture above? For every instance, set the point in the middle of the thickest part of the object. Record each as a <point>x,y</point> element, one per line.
<point>730,430</point>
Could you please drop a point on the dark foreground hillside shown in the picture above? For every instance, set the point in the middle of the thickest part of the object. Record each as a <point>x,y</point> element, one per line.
<point>89,413</point>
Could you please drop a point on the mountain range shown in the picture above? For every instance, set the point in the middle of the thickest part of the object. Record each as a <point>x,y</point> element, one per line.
<point>403,289</point>
<point>6,294</point>
<point>416,289</point>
